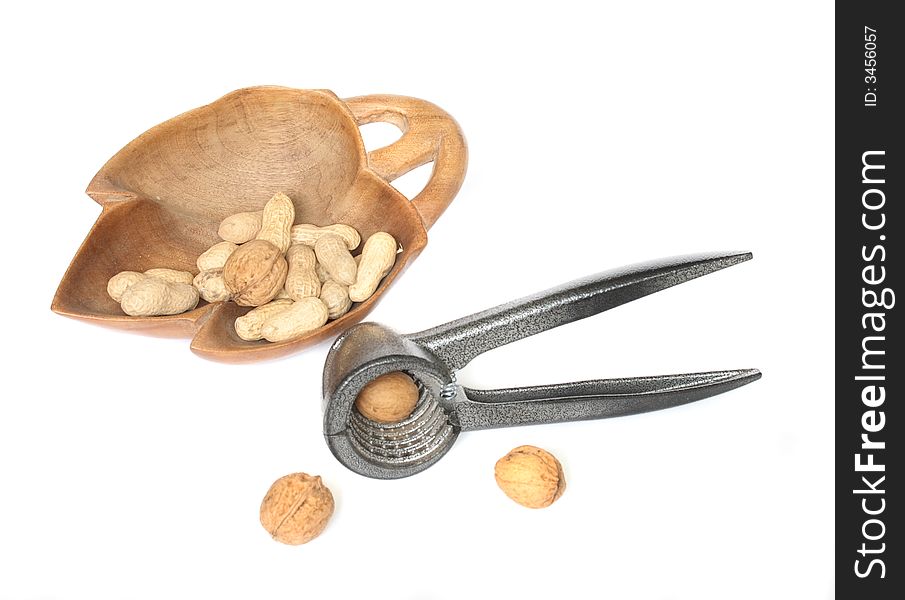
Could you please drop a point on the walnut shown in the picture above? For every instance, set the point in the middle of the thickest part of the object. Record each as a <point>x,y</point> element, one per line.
<point>389,398</point>
<point>255,273</point>
<point>296,508</point>
<point>530,476</point>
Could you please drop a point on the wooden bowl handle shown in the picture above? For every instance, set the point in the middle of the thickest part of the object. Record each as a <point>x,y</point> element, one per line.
<point>428,134</point>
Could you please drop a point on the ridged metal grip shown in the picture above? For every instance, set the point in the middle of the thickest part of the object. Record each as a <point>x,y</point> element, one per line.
<point>408,442</point>
<point>369,350</point>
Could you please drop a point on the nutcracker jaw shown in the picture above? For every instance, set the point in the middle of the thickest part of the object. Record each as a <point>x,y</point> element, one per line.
<point>369,350</point>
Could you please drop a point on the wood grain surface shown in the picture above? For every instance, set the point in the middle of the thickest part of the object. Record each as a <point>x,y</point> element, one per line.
<point>165,193</point>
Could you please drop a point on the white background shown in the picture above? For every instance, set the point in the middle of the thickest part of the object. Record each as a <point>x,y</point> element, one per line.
<point>131,468</point>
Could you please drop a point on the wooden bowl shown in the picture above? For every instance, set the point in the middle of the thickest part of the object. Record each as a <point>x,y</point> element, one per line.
<point>165,193</point>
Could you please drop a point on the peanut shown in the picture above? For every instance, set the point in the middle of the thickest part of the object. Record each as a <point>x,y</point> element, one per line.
<point>248,326</point>
<point>211,286</point>
<point>153,297</point>
<point>378,257</point>
<point>215,256</point>
<point>241,227</point>
<point>122,281</point>
<point>303,316</point>
<point>333,254</point>
<point>308,234</point>
<point>255,273</point>
<point>322,274</point>
<point>171,275</point>
<point>119,283</point>
<point>301,280</point>
<point>276,222</point>
<point>264,261</point>
<point>336,297</point>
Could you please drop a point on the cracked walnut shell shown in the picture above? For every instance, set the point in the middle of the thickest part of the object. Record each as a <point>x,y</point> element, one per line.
<point>296,508</point>
<point>530,476</point>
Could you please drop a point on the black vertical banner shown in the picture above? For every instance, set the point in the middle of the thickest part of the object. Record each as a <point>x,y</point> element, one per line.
<point>870,372</point>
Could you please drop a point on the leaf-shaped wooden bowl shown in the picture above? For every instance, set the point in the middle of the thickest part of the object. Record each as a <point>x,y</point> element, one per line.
<point>165,193</point>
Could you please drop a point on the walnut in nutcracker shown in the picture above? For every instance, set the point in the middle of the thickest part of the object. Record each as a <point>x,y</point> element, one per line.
<point>388,399</point>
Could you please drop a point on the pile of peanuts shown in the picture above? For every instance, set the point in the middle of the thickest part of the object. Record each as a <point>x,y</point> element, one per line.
<point>297,277</point>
